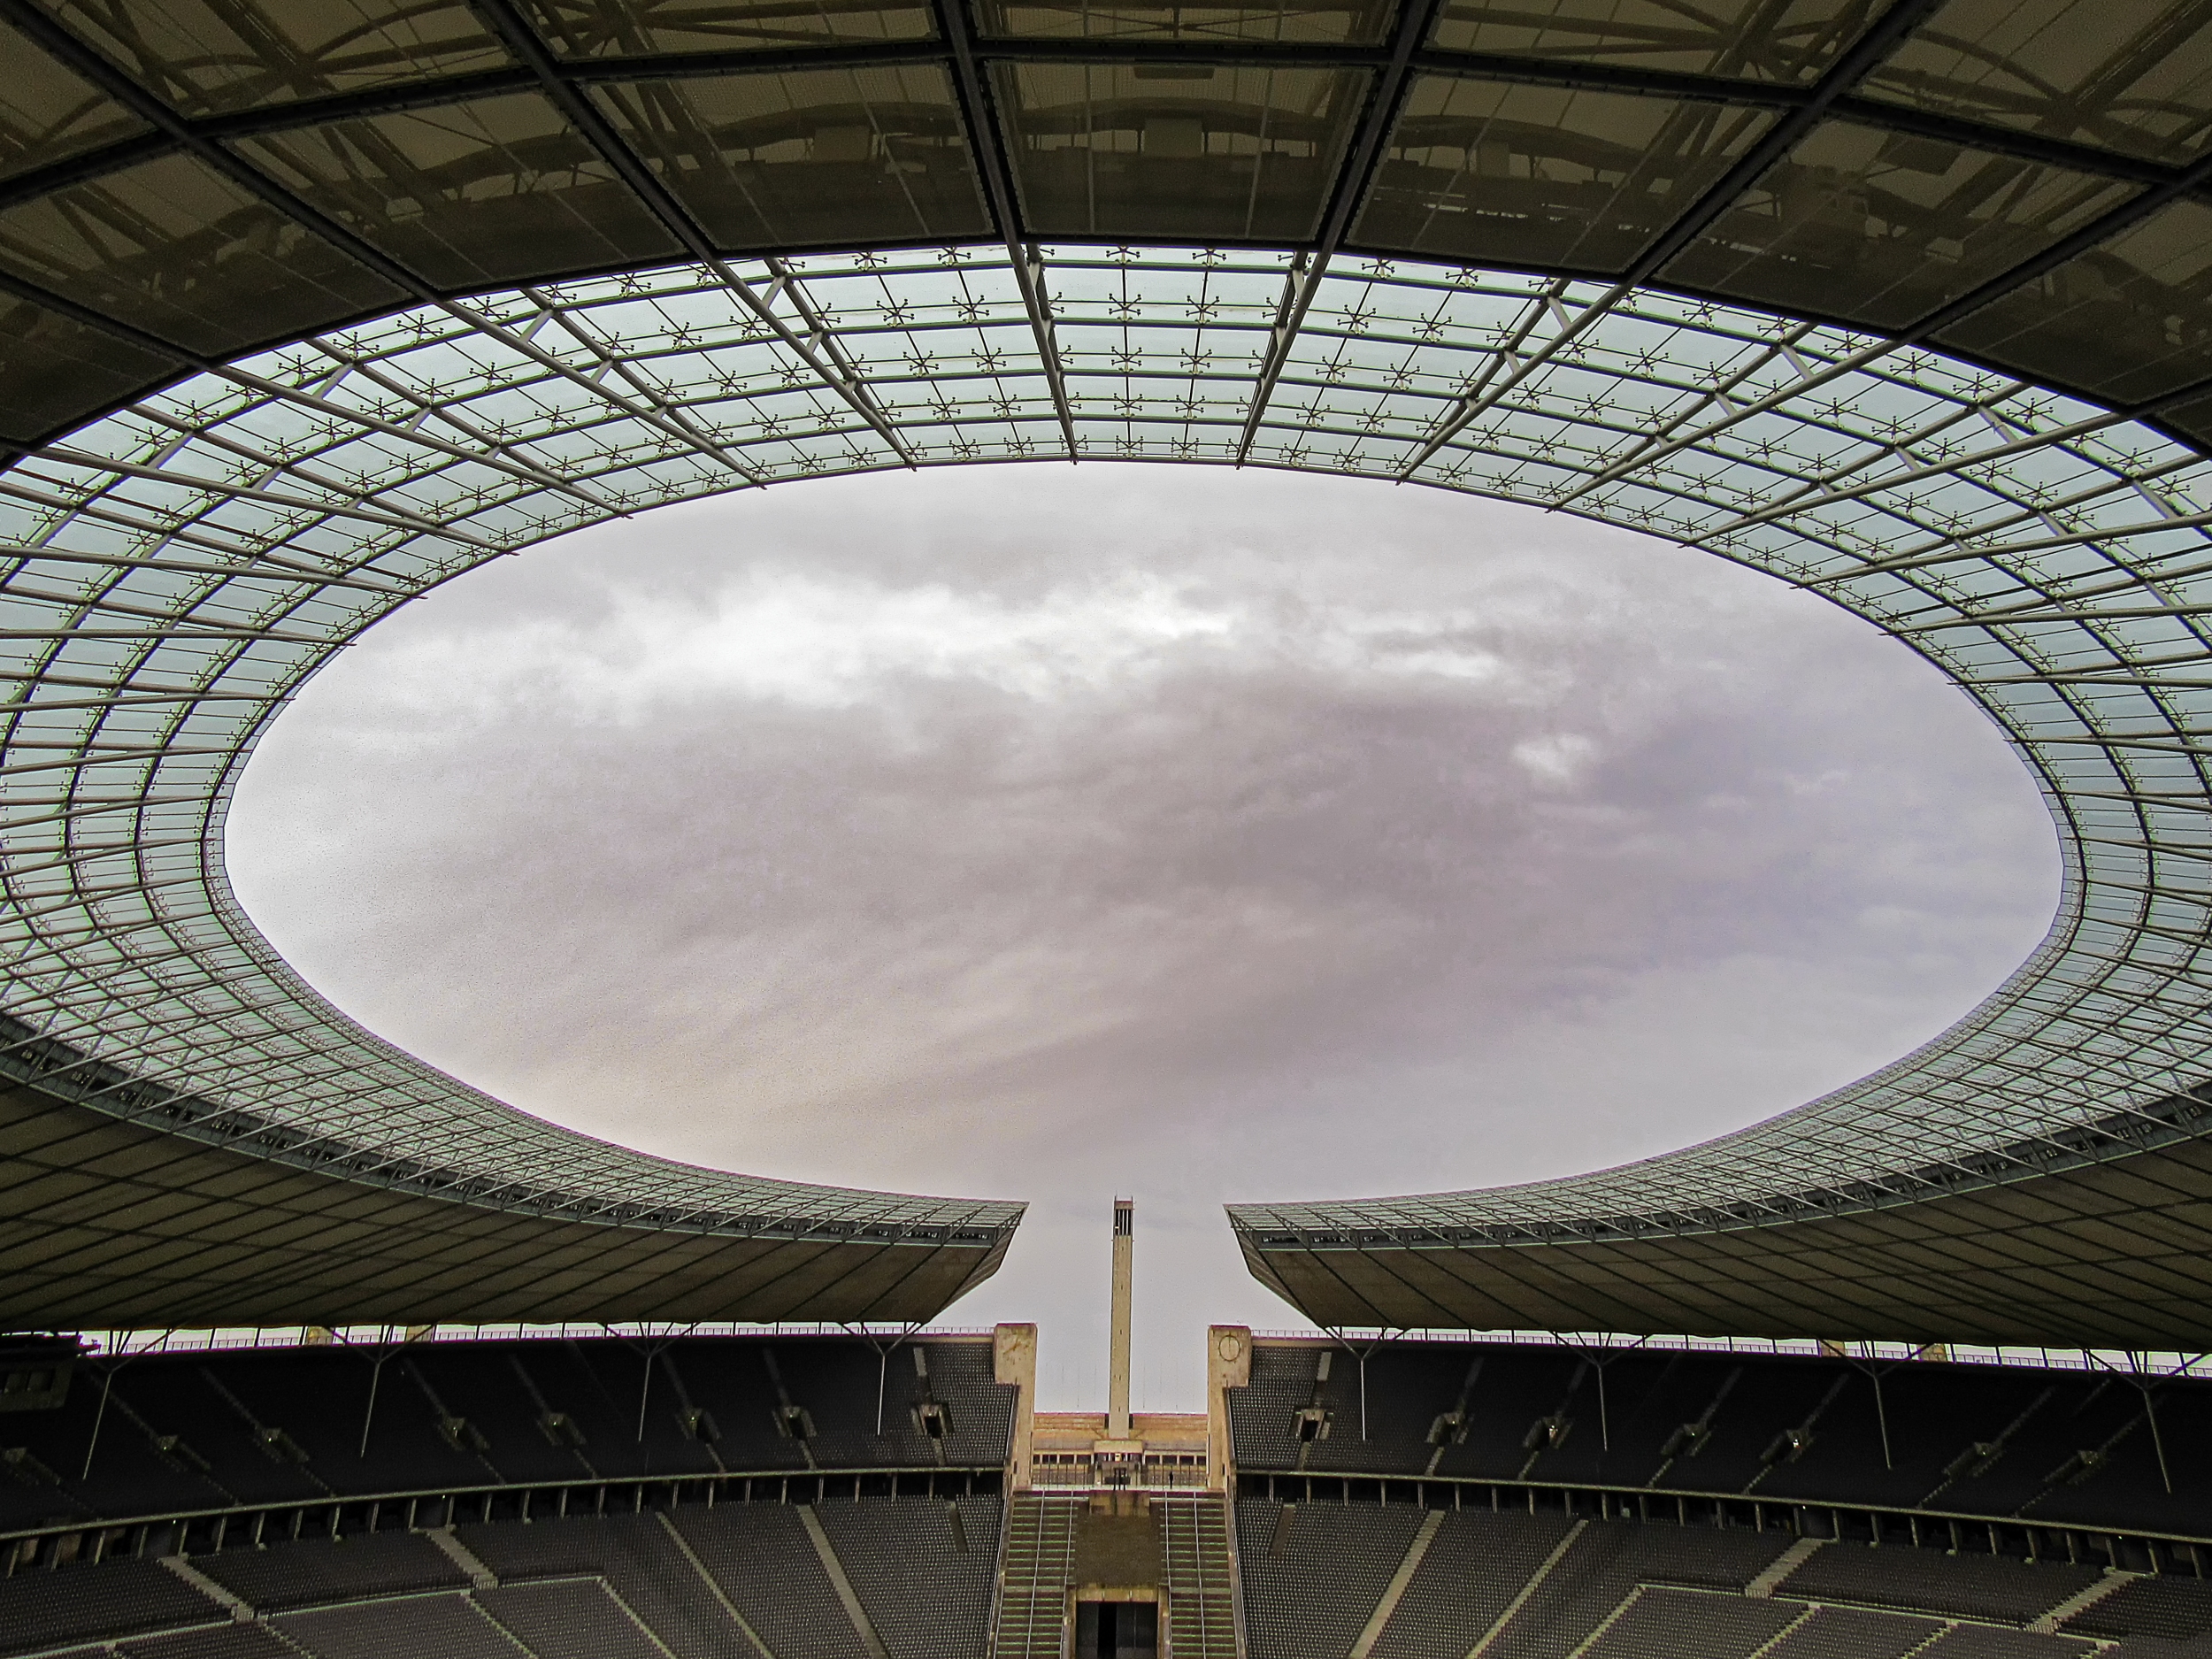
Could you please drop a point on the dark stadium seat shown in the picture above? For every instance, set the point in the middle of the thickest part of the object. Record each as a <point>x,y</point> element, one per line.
<point>2171,1609</point>
<point>2018,1444</point>
<point>420,1627</point>
<point>1308,1598</point>
<point>40,1609</point>
<point>1682,1625</point>
<point>1476,1566</point>
<point>221,1642</point>
<point>1848,1632</point>
<point>570,1618</point>
<point>1982,1641</point>
<point>761,1559</point>
<point>927,1588</point>
<point>303,1574</point>
<point>1973,1587</point>
<point>241,1429</point>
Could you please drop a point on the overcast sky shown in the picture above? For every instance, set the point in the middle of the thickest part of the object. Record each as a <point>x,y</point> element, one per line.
<point>1052,833</point>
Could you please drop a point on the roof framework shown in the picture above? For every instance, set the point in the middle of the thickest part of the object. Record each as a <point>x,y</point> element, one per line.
<point>308,310</point>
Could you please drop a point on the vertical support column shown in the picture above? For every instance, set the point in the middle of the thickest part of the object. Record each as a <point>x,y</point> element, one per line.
<point>1118,1386</point>
<point>1014,1364</point>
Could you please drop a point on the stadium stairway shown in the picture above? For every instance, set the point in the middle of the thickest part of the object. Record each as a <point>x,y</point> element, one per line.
<point>1195,1567</point>
<point>1201,1578</point>
<point>1040,1554</point>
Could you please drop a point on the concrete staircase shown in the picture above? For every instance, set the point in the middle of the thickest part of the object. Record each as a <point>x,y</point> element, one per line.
<point>1033,1586</point>
<point>1201,1579</point>
<point>1195,1569</point>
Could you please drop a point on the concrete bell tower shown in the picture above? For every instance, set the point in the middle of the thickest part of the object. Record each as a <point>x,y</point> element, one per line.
<point>1118,1383</point>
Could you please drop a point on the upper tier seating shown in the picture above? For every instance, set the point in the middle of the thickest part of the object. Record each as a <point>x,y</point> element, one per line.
<point>2058,1447</point>
<point>228,1429</point>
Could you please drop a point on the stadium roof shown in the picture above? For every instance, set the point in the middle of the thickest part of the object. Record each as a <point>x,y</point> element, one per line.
<point>307,308</point>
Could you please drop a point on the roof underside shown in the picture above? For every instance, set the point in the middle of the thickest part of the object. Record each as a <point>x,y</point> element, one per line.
<point>181,181</point>
<point>1909,306</point>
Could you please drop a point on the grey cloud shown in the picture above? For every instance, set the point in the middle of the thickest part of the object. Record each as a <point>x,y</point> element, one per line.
<point>1050,833</point>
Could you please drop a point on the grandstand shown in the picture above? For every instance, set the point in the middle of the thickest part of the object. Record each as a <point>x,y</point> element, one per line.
<point>307,309</point>
<point>568,1498</point>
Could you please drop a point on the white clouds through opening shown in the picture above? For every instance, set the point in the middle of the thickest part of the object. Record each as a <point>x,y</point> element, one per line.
<point>1052,831</point>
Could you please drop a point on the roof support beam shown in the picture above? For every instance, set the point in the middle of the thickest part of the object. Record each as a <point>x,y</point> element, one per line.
<point>1860,60</point>
<point>1362,156</point>
<point>523,42</point>
<point>2095,233</point>
<point>51,37</point>
<point>986,141</point>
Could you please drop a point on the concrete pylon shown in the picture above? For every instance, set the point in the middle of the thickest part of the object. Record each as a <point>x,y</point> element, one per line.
<point>1118,1383</point>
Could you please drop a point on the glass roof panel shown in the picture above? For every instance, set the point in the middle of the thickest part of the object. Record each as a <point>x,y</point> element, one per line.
<point>809,157</point>
<point>618,28</point>
<point>1790,42</point>
<point>2128,75</point>
<point>2132,320</point>
<point>1544,175</point>
<point>1883,227</point>
<point>1167,151</point>
<point>469,193</point>
<point>47,114</point>
<point>204,57</point>
<point>1349,22</point>
<point>58,371</point>
<point>117,245</point>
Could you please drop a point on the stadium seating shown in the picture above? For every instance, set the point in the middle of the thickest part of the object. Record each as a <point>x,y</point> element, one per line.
<point>924,1580</point>
<point>757,1511</point>
<point>2070,1449</point>
<point>1679,1624</point>
<point>573,1618</point>
<point>1973,1587</point>
<point>304,1574</point>
<point>39,1610</point>
<point>1307,1589</point>
<point>697,1583</point>
<point>2170,1610</point>
<point>1512,1584</point>
<point>1474,1567</point>
<point>1845,1632</point>
<point>219,1641</point>
<point>182,1434</point>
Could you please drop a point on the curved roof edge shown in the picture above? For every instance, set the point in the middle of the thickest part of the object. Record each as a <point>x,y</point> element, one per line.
<point>2112,1251</point>
<point>141,1218</point>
